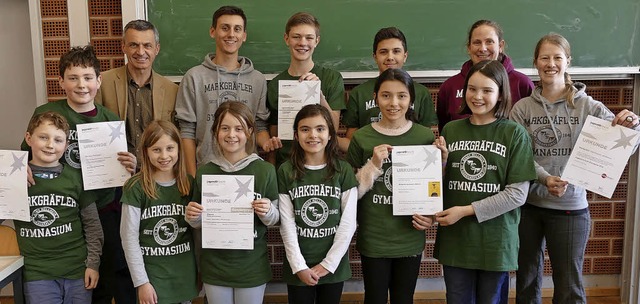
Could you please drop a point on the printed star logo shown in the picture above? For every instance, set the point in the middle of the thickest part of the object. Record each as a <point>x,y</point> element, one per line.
<point>430,158</point>
<point>623,141</point>
<point>243,188</point>
<point>115,132</point>
<point>311,90</point>
<point>18,163</point>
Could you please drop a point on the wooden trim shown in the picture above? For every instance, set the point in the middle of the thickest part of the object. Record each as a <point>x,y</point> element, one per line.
<point>37,50</point>
<point>631,255</point>
<point>78,16</point>
<point>442,75</point>
<point>440,295</point>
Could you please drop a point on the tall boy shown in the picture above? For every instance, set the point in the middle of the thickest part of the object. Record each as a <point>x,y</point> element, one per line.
<point>80,78</point>
<point>389,51</point>
<point>222,76</point>
<point>62,243</point>
<point>302,36</point>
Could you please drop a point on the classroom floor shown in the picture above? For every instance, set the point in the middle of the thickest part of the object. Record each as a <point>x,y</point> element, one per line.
<point>590,300</point>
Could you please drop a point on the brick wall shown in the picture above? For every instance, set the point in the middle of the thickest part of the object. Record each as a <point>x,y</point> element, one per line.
<point>604,250</point>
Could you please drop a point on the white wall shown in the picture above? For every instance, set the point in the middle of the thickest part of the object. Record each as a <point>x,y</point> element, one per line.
<point>17,88</point>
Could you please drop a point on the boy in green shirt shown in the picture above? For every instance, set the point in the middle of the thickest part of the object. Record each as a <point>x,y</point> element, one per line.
<point>389,51</point>
<point>62,242</point>
<point>80,78</point>
<point>302,36</point>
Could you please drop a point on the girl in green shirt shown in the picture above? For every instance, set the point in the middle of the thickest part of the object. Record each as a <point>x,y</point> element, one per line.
<point>157,241</point>
<point>318,196</point>
<point>234,275</point>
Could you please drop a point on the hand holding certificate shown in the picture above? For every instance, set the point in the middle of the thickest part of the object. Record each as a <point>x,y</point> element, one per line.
<point>14,202</point>
<point>416,179</point>
<point>292,96</point>
<point>227,219</point>
<point>600,155</point>
<point>99,144</point>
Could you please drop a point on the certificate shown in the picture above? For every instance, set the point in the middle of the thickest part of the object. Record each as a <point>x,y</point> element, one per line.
<point>99,143</point>
<point>227,219</point>
<point>600,155</point>
<point>292,96</point>
<point>14,202</point>
<point>416,180</point>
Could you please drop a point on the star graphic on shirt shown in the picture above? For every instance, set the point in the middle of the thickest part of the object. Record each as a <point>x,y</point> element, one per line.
<point>430,158</point>
<point>243,188</point>
<point>311,90</point>
<point>115,132</point>
<point>18,163</point>
<point>623,141</point>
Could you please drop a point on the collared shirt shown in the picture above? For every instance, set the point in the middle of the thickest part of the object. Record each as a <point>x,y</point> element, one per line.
<point>139,111</point>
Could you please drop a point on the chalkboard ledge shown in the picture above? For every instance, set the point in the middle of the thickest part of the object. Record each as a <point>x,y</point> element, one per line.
<point>582,73</point>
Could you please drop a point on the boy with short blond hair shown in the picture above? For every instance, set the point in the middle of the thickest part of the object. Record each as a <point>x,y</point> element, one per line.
<point>302,36</point>
<point>62,243</point>
<point>80,78</point>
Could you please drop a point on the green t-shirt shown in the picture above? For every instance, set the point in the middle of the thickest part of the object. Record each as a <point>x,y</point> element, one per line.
<point>331,85</point>
<point>317,205</point>
<point>482,160</point>
<point>380,234</point>
<point>166,240</point>
<point>240,268</point>
<point>72,154</point>
<point>363,110</point>
<point>52,242</point>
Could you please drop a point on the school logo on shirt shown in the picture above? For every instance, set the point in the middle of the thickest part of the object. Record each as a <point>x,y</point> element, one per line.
<point>165,231</point>
<point>72,155</point>
<point>459,93</point>
<point>44,217</point>
<point>387,179</point>
<point>226,96</point>
<point>473,166</point>
<point>546,137</point>
<point>314,212</point>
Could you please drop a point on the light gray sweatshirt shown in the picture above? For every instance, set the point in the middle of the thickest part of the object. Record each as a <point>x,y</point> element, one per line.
<point>204,87</point>
<point>554,127</point>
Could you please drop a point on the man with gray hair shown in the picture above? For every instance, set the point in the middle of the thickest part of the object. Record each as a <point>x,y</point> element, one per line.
<point>135,92</point>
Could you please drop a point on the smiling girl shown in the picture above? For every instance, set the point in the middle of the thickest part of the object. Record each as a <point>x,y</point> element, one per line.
<point>391,246</point>
<point>318,194</point>
<point>230,275</point>
<point>162,184</point>
<point>486,179</point>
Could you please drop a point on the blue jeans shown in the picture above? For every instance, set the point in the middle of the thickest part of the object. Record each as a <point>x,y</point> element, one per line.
<point>471,286</point>
<point>60,291</point>
<point>566,235</point>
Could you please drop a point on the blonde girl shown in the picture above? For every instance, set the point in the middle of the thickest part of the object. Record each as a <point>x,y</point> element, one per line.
<point>157,241</point>
<point>229,275</point>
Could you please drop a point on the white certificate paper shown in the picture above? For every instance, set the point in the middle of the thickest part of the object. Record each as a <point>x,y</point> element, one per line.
<point>292,96</point>
<point>99,144</point>
<point>227,219</point>
<point>14,202</point>
<point>600,155</point>
<point>416,180</point>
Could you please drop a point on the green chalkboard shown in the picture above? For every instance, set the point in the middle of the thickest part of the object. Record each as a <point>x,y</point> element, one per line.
<point>602,33</point>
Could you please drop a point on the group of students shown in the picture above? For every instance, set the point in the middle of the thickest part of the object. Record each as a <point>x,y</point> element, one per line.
<point>503,197</point>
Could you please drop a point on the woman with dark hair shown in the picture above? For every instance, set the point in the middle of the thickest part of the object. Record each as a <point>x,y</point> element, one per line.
<point>485,41</point>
